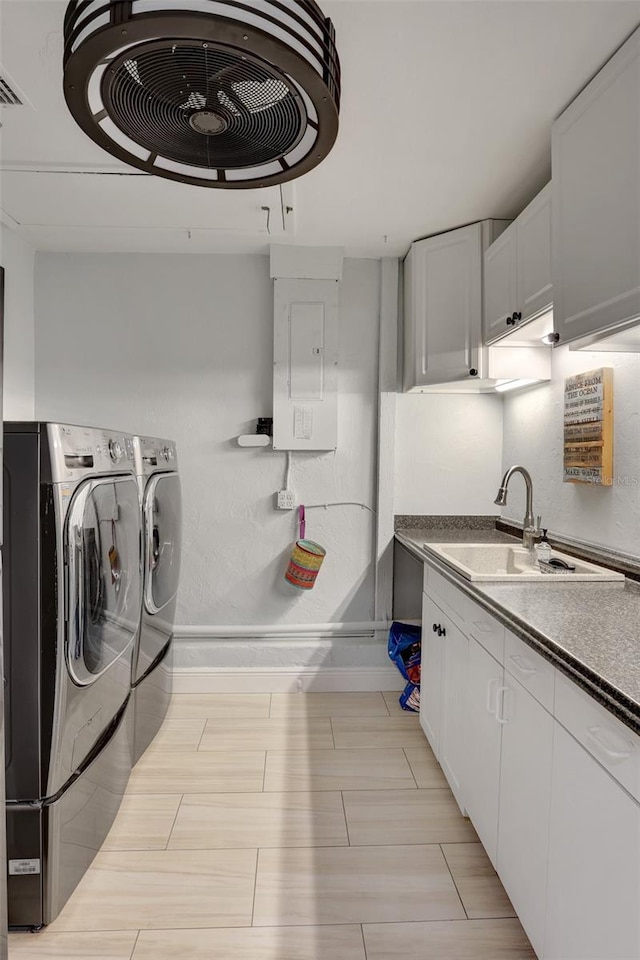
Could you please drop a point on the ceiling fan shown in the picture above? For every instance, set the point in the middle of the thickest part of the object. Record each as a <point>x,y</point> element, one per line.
<point>216,93</point>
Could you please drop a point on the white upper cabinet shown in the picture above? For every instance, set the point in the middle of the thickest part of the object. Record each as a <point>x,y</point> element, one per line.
<point>596,202</point>
<point>517,270</point>
<point>535,288</point>
<point>500,290</point>
<point>443,308</point>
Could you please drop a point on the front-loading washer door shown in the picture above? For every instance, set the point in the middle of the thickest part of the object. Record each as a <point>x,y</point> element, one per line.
<point>163,534</point>
<point>104,586</point>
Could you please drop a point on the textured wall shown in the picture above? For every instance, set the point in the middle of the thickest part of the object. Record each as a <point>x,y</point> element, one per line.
<point>182,347</point>
<point>533,435</point>
<point>448,453</point>
<point>18,259</point>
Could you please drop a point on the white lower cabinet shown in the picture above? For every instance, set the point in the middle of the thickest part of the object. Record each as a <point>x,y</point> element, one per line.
<point>453,745</point>
<point>558,812</point>
<point>593,892</point>
<point>431,674</point>
<point>525,794</point>
<point>443,693</point>
<point>484,736</point>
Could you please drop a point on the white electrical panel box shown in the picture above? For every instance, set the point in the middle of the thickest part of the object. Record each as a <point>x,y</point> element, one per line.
<point>305,369</point>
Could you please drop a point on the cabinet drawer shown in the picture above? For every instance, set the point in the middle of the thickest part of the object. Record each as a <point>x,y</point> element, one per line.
<point>485,629</point>
<point>605,737</point>
<point>531,670</point>
<point>451,600</point>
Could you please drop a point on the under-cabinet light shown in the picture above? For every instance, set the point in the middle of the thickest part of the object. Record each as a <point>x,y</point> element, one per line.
<point>503,385</point>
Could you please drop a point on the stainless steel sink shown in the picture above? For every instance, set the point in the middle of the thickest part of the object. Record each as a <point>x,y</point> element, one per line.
<point>501,561</point>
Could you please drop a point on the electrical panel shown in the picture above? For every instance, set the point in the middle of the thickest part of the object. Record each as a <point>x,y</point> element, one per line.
<point>305,373</point>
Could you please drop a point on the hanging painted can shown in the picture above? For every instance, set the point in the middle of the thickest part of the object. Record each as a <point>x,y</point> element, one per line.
<point>306,558</point>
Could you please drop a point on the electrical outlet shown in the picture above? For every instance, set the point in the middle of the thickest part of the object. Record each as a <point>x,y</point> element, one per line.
<point>286,500</point>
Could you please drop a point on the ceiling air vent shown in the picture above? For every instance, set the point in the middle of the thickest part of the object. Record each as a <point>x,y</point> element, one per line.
<point>216,93</point>
<point>8,96</point>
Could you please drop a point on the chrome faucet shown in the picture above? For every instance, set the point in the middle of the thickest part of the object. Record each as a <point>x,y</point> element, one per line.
<point>529,532</point>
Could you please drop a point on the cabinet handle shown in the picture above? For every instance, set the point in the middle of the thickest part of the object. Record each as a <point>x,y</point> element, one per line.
<point>510,321</point>
<point>473,372</point>
<point>517,317</point>
<point>492,688</point>
<point>598,737</point>
<point>501,700</point>
<point>521,664</point>
<point>441,631</point>
<point>435,627</point>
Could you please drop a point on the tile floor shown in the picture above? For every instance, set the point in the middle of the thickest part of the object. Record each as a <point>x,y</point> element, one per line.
<point>286,827</point>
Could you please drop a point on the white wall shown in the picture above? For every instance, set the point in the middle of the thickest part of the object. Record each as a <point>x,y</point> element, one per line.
<point>448,453</point>
<point>181,346</point>
<point>533,437</point>
<point>18,259</point>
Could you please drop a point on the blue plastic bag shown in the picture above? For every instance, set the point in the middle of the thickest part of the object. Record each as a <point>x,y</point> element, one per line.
<point>404,649</point>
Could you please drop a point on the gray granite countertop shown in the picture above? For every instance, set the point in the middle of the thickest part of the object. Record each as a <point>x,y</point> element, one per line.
<point>590,631</point>
<point>416,536</point>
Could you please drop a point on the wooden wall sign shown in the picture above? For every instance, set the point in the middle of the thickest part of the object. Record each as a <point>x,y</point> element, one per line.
<point>588,427</point>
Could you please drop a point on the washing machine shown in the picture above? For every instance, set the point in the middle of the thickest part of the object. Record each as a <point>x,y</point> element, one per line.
<point>161,503</point>
<point>72,597</point>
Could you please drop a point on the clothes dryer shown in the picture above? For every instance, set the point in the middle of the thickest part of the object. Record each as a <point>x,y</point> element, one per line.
<point>72,594</point>
<point>157,470</point>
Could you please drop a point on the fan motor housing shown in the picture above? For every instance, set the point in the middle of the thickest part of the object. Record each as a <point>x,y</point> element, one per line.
<point>216,93</point>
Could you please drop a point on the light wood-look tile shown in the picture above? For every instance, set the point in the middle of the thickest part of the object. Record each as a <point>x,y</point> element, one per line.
<point>328,705</point>
<point>405,816</point>
<point>448,940</point>
<point>49,945</point>
<point>376,732</point>
<point>207,821</point>
<point>144,822</point>
<point>197,772</point>
<point>338,770</point>
<point>478,884</point>
<point>425,767</point>
<point>179,735</point>
<point>353,885</point>
<point>210,706</point>
<point>163,888</point>
<point>279,733</point>
<point>391,698</point>
<point>254,943</point>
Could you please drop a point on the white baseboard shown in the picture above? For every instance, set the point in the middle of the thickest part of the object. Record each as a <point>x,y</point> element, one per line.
<point>292,631</point>
<point>285,680</point>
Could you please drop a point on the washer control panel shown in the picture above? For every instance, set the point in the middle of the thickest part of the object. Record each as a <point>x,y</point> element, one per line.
<point>78,451</point>
<point>154,455</point>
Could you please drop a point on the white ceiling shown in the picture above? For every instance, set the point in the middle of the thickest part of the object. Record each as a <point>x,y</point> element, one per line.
<point>446,118</point>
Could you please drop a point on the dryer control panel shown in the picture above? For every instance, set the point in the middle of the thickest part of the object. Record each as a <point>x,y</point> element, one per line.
<point>154,455</point>
<point>81,451</point>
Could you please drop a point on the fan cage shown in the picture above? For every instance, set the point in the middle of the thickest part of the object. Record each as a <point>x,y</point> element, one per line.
<point>288,41</point>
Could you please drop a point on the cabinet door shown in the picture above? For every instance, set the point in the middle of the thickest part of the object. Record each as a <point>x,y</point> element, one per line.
<point>500,291</point>
<point>484,734</point>
<point>525,794</point>
<point>593,895</point>
<point>431,674</point>
<point>596,201</point>
<point>534,256</point>
<point>443,307</point>
<point>453,734</point>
